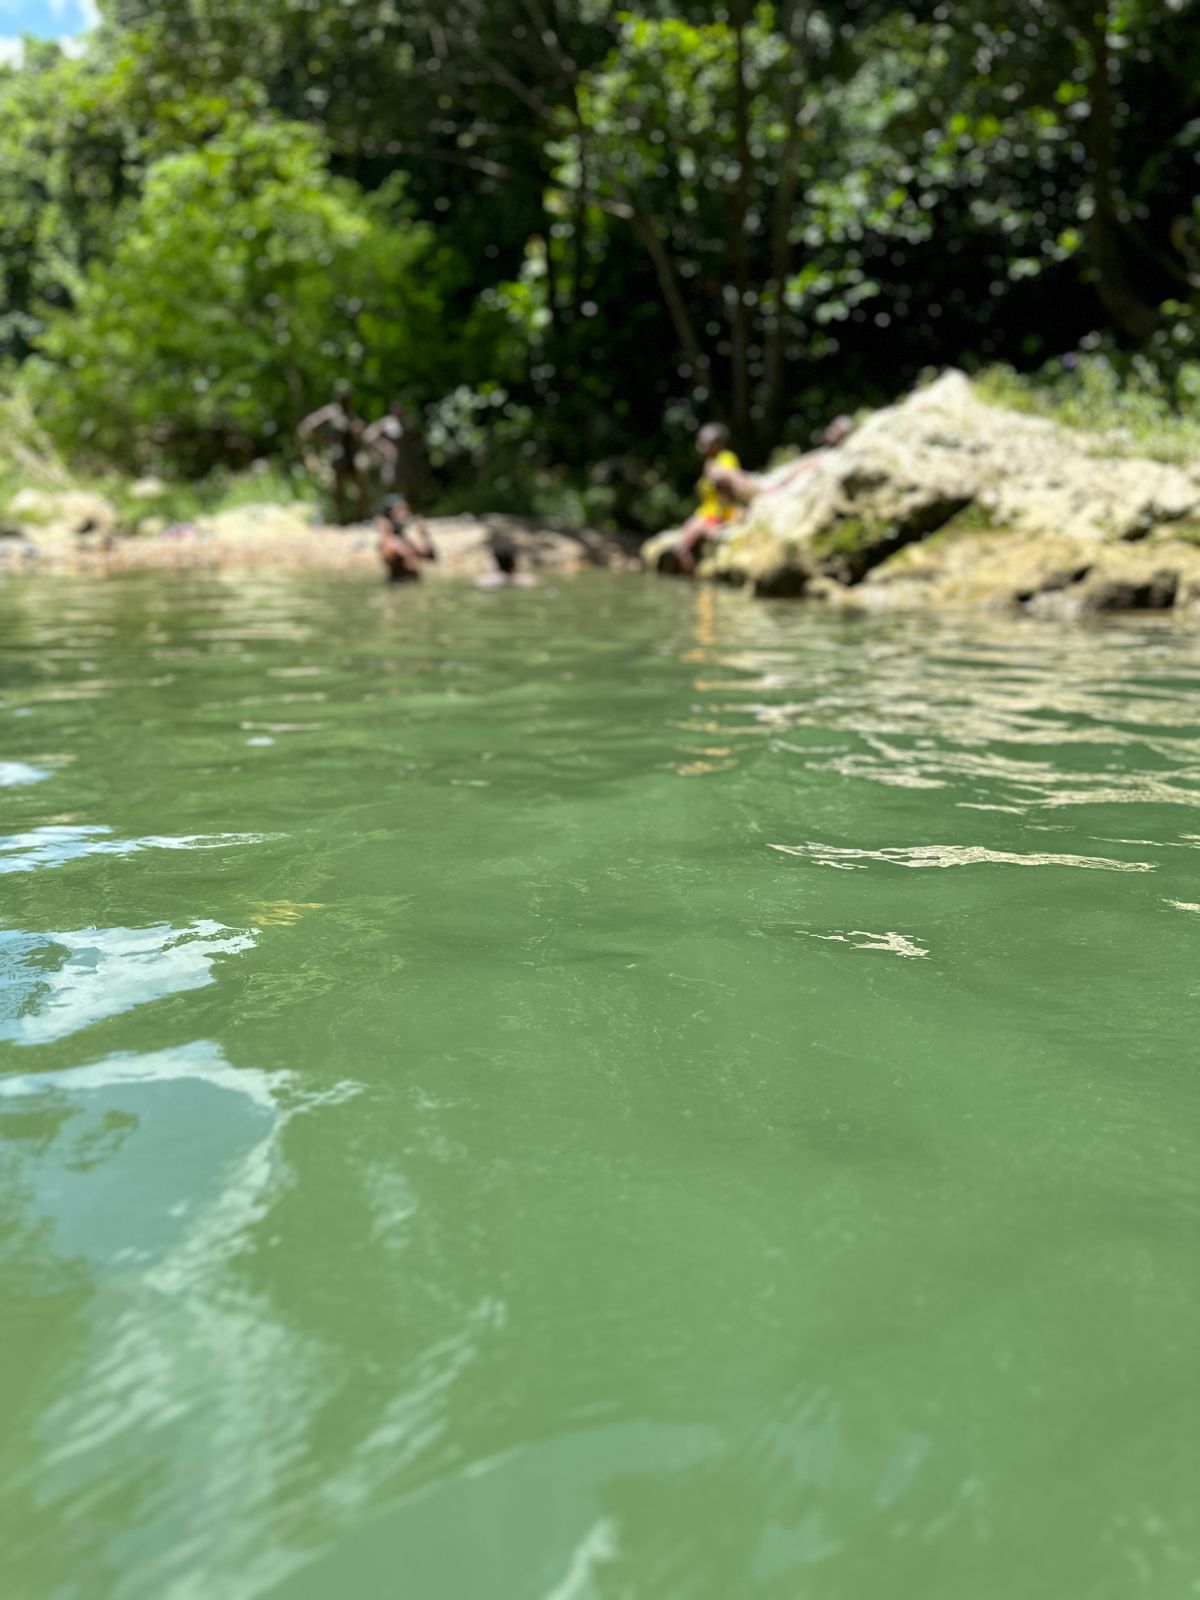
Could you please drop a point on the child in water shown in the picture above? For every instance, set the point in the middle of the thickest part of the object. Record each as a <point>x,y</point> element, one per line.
<point>506,576</point>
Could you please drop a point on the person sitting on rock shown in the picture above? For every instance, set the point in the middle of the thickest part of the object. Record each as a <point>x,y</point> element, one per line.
<point>723,493</point>
<point>726,489</point>
<point>747,486</point>
<point>838,431</point>
<point>340,426</point>
<point>404,541</point>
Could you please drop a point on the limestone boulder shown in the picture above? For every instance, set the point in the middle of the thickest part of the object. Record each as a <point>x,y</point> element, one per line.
<point>147,489</point>
<point>1034,503</point>
<point>1059,575</point>
<point>49,515</point>
<point>257,523</point>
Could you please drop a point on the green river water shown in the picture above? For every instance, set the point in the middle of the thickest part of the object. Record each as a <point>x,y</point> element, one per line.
<point>609,1092</point>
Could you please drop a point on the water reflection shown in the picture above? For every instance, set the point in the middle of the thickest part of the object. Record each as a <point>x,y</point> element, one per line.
<point>57,843</point>
<point>911,706</point>
<point>951,855</point>
<point>13,773</point>
<point>135,1183</point>
<point>693,1196</point>
<point>123,1157</point>
<point>53,984</point>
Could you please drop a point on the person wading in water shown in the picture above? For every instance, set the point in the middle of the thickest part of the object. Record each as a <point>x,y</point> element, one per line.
<point>505,576</point>
<point>340,428</point>
<point>404,541</point>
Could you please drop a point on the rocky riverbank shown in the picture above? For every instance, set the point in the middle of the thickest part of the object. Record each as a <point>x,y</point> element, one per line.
<point>940,500</point>
<point>944,500</point>
<point>74,531</point>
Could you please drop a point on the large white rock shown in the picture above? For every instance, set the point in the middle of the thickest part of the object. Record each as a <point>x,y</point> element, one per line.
<point>61,513</point>
<point>941,452</point>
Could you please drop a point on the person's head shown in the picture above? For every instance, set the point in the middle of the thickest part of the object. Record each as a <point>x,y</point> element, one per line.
<point>396,409</point>
<point>394,509</point>
<point>838,430</point>
<point>343,393</point>
<point>712,439</point>
<point>504,554</point>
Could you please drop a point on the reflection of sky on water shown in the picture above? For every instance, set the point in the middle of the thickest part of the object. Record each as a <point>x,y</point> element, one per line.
<point>53,984</point>
<point>13,773</point>
<point>147,1175</point>
<point>121,1156</point>
<point>54,845</point>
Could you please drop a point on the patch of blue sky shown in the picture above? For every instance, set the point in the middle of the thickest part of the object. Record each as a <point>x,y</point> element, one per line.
<point>47,19</point>
<point>63,20</point>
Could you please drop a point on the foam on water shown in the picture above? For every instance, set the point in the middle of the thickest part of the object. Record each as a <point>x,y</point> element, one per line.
<point>955,855</point>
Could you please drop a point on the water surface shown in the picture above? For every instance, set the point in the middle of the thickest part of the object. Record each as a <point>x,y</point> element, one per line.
<point>604,1091</point>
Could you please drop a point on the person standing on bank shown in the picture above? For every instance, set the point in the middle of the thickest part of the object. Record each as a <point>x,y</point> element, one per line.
<point>393,449</point>
<point>339,427</point>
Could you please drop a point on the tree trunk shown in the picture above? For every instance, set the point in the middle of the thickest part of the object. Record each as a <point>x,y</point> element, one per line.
<point>739,243</point>
<point>552,297</point>
<point>673,300</point>
<point>1132,316</point>
<point>791,17</point>
<point>579,224</point>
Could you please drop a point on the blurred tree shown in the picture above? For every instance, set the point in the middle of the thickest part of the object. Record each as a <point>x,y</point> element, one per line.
<point>242,284</point>
<point>1114,83</point>
<point>63,172</point>
<point>628,214</point>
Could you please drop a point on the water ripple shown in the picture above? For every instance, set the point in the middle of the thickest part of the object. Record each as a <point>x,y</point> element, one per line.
<point>13,773</point>
<point>952,855</point>
<point>54,984</point>
<point>57,843</point>
<point>897,944</point>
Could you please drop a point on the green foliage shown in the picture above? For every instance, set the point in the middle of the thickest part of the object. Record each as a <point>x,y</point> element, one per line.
<point>564,233</point>
<point>26,453</point>
<point>975,518</point>
<point>1144,402</point>
<point>243,283</point>
<point>184,500</point>
<point>485,445</point>
<point>850,547</point>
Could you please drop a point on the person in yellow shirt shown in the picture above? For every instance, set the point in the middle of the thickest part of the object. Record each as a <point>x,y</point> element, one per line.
<point>725,489</point>
<point>722,491</point>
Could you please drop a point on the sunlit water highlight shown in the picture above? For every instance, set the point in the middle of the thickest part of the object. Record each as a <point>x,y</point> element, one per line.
<point>603,1091</point>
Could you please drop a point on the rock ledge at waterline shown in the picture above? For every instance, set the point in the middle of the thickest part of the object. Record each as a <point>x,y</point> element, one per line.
<point>77,531</point>
<point>944,500</point>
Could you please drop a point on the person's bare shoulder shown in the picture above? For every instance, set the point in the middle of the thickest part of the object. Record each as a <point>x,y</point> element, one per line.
<point>317,419</point>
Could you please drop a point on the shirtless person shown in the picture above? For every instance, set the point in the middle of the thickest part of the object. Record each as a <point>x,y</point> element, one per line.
<point>340,426</point>
<point>404,541</point>
<point>838,431</point>
<point>393,447</point>
<point>746,486</point>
